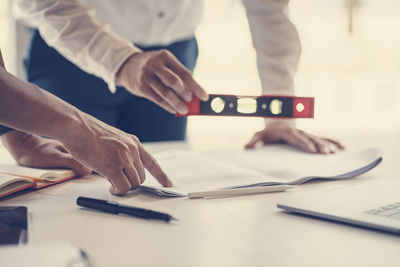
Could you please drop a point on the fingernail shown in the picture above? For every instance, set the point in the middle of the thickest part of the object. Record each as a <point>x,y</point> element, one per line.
<point>248,146</point>
<point>188,97</point>
<point>205,97</point>
<point>183,110</point>
<point>169,183</point>
<point>323,151</point>
<point>85,170</point>
<point>112,189</point>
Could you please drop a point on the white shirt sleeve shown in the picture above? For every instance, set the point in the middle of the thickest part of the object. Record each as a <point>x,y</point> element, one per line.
<point>276,42</point>
<point>72,29</point>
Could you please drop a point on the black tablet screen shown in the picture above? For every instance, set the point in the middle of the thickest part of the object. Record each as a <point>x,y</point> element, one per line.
<point>13,225</point>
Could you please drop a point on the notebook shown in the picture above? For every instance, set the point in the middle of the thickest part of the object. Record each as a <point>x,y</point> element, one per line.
<point>16,178</point>
<point>272,165</point>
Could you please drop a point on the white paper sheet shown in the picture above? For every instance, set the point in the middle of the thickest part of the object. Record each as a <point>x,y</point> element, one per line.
<point>206,171</point>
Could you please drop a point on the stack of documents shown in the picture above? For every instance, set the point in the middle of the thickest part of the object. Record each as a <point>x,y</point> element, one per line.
<point>270,166</point>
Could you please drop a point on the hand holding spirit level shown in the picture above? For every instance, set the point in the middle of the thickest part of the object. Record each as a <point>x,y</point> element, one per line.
<point>253,106</point>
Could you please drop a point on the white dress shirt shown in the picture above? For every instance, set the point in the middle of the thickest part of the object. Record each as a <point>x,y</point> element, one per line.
<point>97,35</point>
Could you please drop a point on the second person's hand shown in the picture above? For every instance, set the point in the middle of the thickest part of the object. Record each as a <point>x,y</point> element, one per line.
<point>281,131</point>
<point>31,150</point>
<point>161,78</point>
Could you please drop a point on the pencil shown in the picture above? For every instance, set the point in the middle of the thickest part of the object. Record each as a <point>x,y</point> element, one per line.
<point>239,191</point>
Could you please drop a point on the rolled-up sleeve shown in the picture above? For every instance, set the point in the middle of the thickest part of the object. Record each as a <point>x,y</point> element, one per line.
<point>72,29</point>
<point>276,42</point>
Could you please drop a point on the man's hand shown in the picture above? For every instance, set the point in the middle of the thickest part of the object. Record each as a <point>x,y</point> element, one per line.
<point>114,154</point>
<point>34,151</point>
<point>161,78</point>
<point>284,132</point>
<point>86,141</point>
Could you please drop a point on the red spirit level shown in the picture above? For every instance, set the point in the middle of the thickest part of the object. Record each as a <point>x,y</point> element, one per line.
<point>254,106</point>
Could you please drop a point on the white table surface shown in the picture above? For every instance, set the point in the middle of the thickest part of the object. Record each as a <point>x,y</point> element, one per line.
<point>236,231</point>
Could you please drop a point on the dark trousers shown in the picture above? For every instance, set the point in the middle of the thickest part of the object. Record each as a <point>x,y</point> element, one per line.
<point>49,70</point>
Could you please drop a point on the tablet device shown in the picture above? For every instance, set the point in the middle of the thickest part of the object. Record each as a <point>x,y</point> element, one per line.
<point>13,225</point>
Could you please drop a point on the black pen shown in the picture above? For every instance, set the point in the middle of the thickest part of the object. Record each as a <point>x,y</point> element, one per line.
<point>115,208</point>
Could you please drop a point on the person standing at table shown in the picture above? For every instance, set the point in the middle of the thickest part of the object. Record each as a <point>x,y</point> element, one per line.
<point>135,75</point>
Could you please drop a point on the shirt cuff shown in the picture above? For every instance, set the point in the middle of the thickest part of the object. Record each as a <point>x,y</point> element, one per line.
<point>123,57</point>
<point>289,122</point>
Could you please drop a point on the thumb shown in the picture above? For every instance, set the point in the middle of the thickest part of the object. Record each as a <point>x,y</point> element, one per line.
<point>253,141</point>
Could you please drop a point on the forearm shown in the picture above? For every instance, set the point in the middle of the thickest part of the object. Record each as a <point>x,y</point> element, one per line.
<point>276,42</point>
<point>26,107</point>
<point>3,129</point>
<point>86,143</point>
<point>73,30</point>
<point>277,46</point>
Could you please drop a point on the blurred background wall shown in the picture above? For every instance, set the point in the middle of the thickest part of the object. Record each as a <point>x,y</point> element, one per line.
<point>354,76</point>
